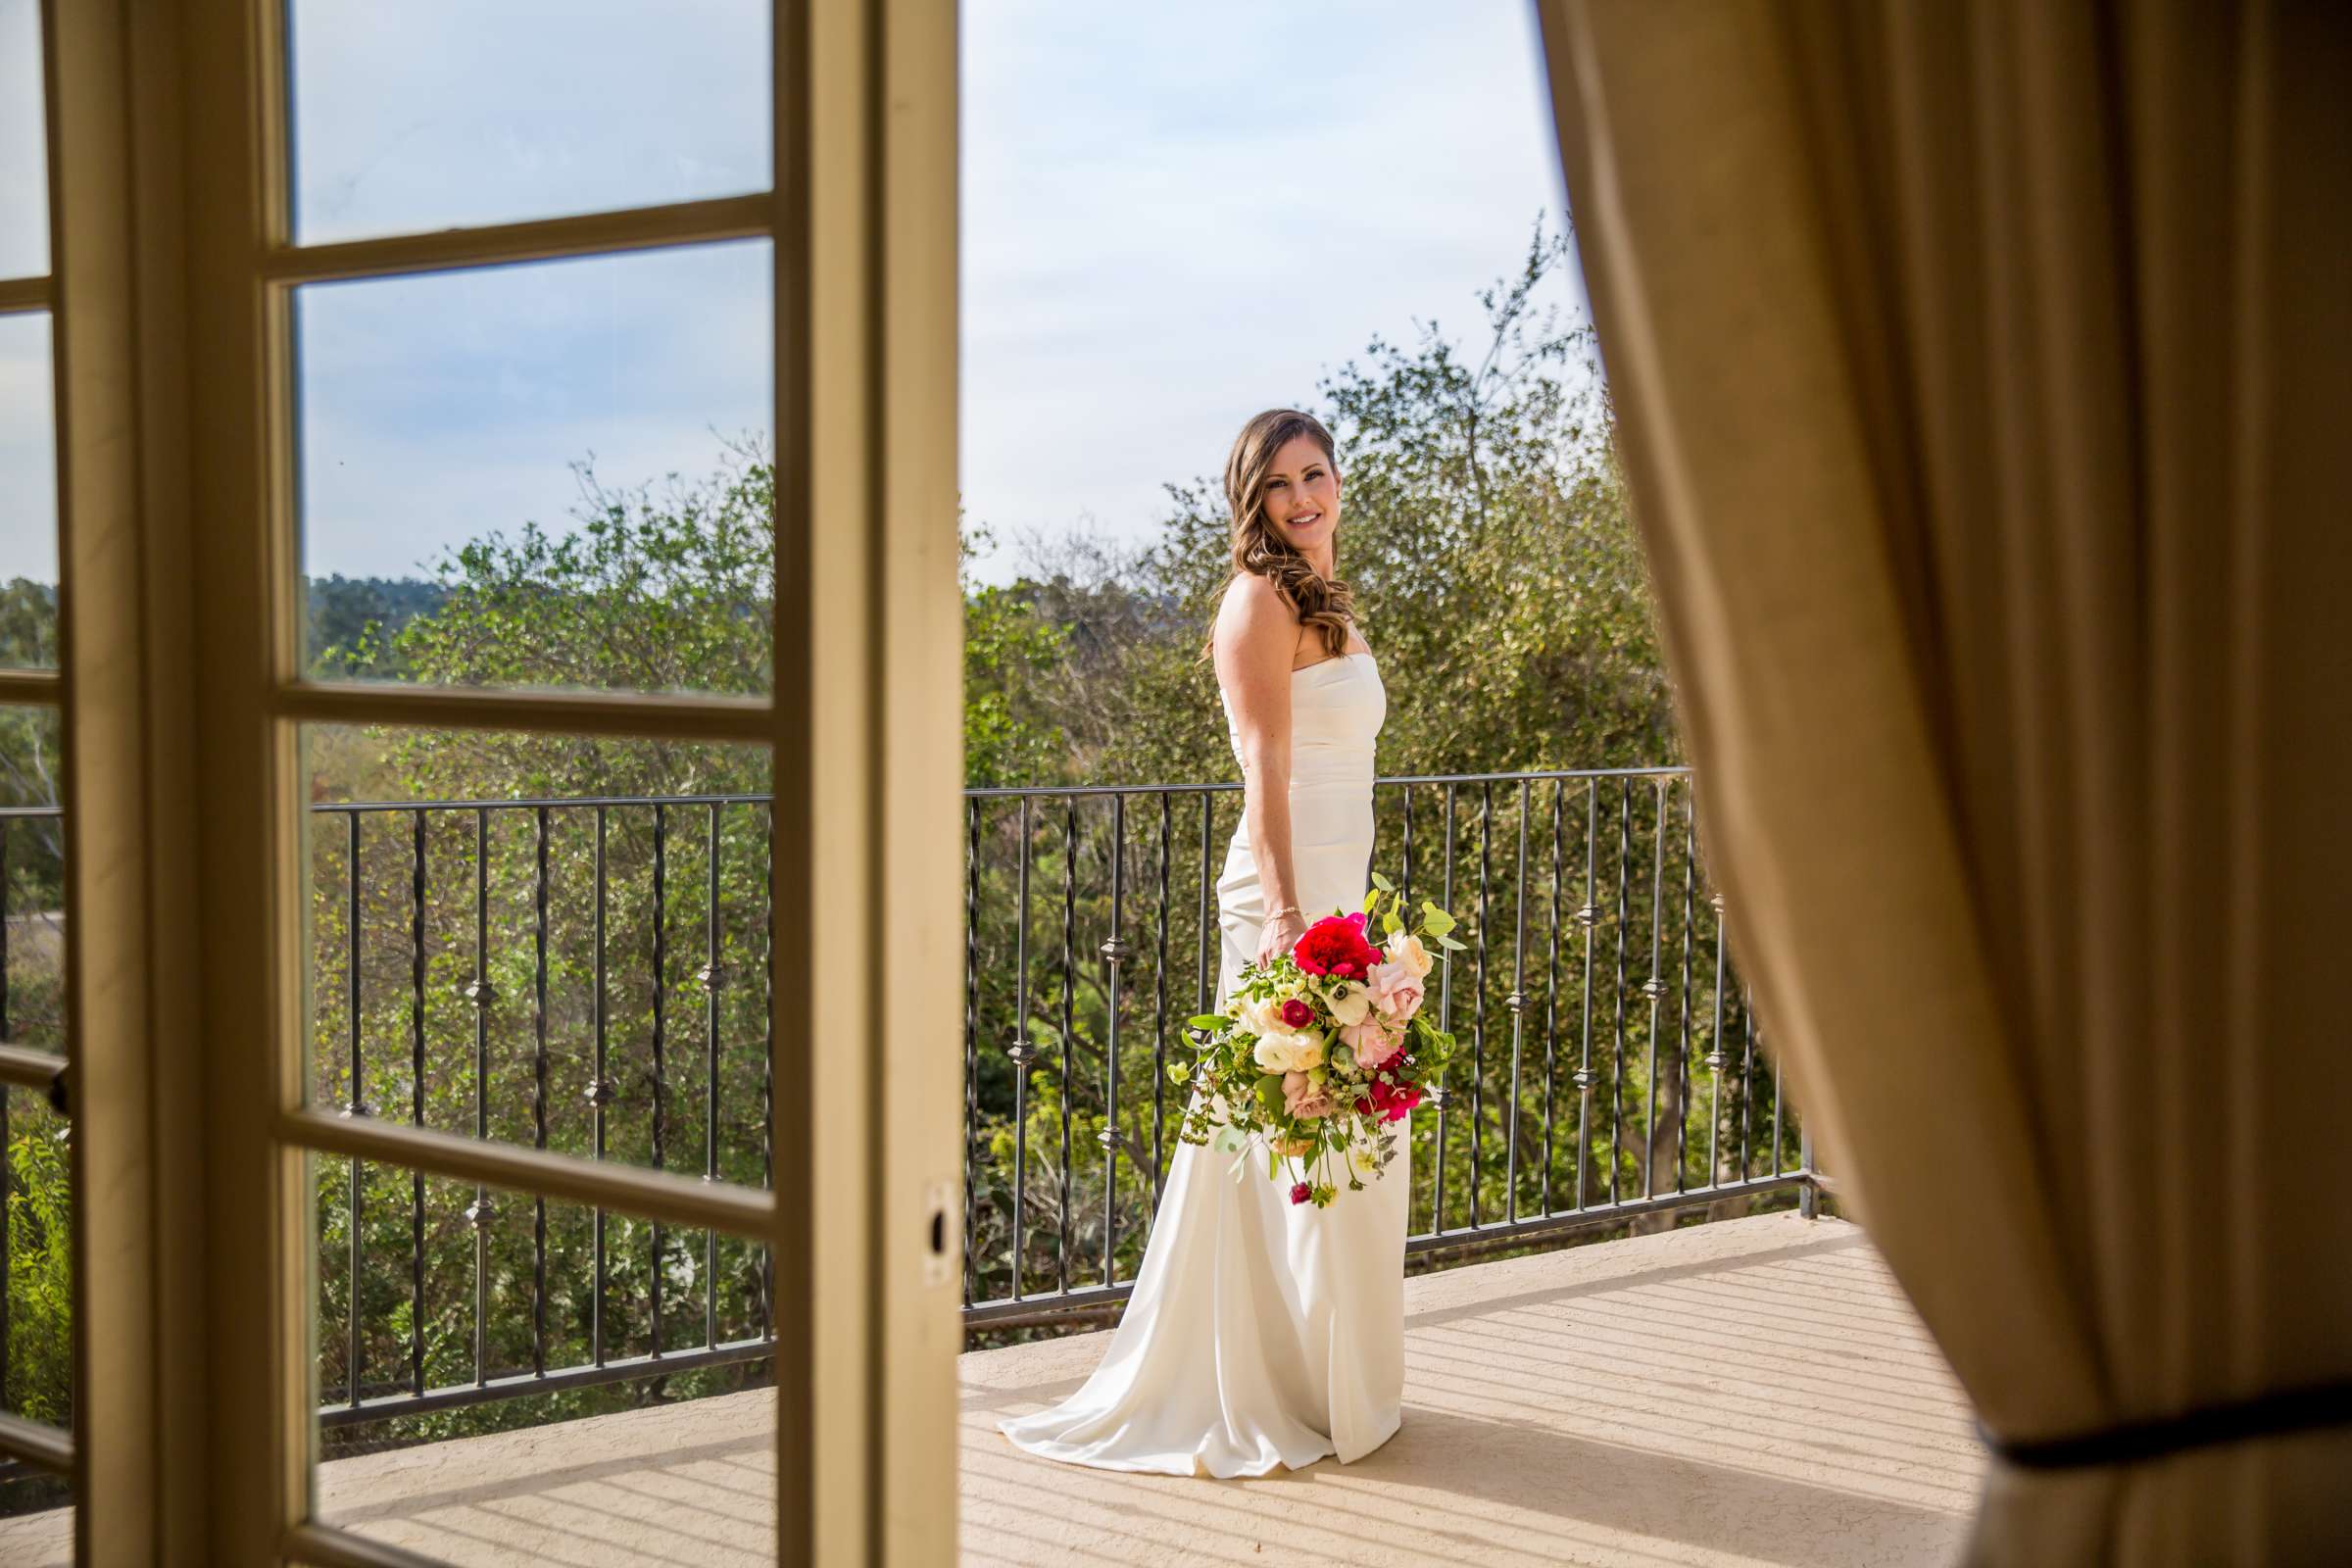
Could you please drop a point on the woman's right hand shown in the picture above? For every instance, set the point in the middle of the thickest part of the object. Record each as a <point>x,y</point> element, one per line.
<point>1279,935</point>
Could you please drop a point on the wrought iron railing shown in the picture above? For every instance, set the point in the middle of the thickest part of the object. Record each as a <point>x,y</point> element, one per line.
<point>1610,1064</point>
<point>592,976</point>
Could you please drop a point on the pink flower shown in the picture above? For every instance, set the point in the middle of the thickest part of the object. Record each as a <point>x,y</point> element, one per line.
<point>1395,989</point>
<point>1375,1041</point>
<point>1297,1014</point>
<point>1300,1194</point>
<point>1303,1098</point>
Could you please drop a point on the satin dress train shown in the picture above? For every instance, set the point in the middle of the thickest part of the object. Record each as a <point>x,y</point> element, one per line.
<point>1262,1334</point>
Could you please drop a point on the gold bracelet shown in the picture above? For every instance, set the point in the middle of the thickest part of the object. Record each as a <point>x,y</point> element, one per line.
<point>1285,908</point>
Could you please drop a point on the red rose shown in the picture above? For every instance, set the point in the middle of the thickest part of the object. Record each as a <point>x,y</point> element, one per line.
<point>1299,1194</point>
<point>1298,1014</point>
<point>1394,1101</point>
<point>1335,945</point>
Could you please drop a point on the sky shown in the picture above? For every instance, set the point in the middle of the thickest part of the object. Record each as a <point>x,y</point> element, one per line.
<point>1173,215</point>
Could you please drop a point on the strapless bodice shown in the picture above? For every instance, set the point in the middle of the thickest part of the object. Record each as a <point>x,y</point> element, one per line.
<point>1337,708</point>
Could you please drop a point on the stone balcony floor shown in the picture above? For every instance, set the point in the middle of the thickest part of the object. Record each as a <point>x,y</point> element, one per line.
<point>1754,1390</point>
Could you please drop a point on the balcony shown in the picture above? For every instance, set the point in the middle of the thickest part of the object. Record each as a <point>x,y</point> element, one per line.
<point>585,975</point>
<point>1754,1390</point>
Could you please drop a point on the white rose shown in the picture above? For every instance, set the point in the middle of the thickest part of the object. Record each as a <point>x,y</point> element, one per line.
<point>1404,947</point>
<point>1261,1016</point>
<point>1285,1051</point>
<point>1351,1007</point>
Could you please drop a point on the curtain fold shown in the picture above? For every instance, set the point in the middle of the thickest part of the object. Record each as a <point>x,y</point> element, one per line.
<point>1984,378</point>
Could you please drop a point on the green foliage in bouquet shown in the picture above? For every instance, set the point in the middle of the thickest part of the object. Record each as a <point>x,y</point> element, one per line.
<point>1318,1057</point>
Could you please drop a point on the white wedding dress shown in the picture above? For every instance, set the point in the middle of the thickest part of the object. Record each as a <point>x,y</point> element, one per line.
<point>1263,1333</point>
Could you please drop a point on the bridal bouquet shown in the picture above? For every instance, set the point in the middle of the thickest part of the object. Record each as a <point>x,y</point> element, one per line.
<point>1318,1055</point>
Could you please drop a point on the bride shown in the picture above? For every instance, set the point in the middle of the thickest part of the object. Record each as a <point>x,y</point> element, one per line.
<point>1265,1334</point>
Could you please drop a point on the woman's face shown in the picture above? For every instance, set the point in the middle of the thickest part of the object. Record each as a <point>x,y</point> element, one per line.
<point>1302,494</point>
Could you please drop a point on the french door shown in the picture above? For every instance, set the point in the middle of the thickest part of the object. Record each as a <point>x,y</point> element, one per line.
<point>199,290</point>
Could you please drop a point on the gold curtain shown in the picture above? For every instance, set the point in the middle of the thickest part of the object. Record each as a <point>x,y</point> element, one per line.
<point>1985,378</point>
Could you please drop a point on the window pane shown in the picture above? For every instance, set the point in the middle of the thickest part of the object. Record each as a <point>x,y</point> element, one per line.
<point>478,979</point>
<point>511,1313</point>
<point>28,494</point>
<point>548,476</point>
<point>23,145</point>
<point>446,114</point>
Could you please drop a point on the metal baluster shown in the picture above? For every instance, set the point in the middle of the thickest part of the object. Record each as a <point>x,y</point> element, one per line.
<point>1654,988</point>
<point>1551,988</point>
<point>1478,1002</point>
<point>1405,884</point>
<point>417,1101</point>
<point>1207,998</point>
<point>1748,1078</point>
<point>1516,1002</point>
<point>767,1055</point>
<point>1021,1052</point>
<point>1160,1008</point>
<point>1717,1058</point>
<point>539,1087</point>
<point>661,1074</point>
<point>1588,915</point>
<point>1780,1160</point>
<point>972,1040</point>
<point>479,993</point>
<point>1114,954</point>
<point>1445,1025</point>
<point>1069,1005</point>
<point>355,1104</point>
<point>601,1090</point>
<point>712,981</point>
<point>1682,1055</point>
<point>1625,857</point>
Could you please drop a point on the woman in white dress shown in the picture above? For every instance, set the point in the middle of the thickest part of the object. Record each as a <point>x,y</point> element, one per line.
<point>1265,1334</point>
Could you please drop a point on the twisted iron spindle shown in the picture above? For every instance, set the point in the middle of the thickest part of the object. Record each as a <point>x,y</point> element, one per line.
<point>1114,955</point>
<point>1445,1024</point>
<point>1552,985</point>
<point>355,1104</point>
<point>1516,1002</point>
<point>539,893</point>
<point>1588,915</point>
<point>601,1092</point>
<point>1020,1051</point>
<point>712,982</point>
<point>416,889</point>
<point>1625,857</point>
<point>661,1065</point>
<point>1069,1030</point>
<point>1478,999</point>
<point>972,1040</point>
<point>1654,988</point>
<point>480,995</point>
<point>1160,1008</point>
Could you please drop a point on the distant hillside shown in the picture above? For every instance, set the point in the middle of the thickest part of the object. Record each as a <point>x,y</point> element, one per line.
<point>353,620</point>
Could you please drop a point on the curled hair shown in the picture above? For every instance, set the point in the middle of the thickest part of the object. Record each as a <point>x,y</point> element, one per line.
<point>1325,604</point>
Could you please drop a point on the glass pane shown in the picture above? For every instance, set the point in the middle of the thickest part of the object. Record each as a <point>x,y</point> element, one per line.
<point>557,930</point>
<point>475,1315</point>
<point>27,495</point>
<point>23,145</point>
<point>551,476</point>
<point>446,114</point>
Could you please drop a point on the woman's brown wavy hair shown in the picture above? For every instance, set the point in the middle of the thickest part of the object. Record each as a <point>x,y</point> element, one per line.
<point>1325,604</point>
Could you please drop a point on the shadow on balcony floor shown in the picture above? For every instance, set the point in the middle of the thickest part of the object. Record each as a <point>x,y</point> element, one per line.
<point>1751,1392</point>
